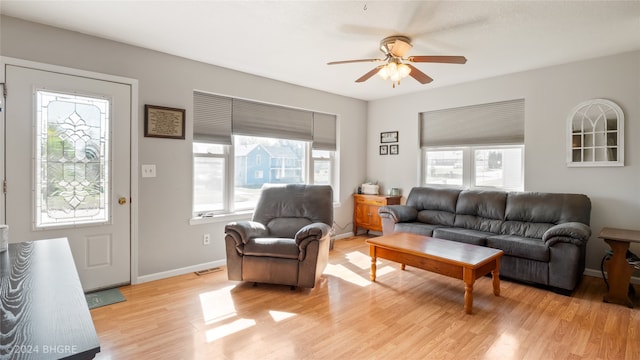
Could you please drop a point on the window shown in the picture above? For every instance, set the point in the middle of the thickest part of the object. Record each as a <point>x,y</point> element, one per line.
<point>322,161</point>
<point>277,161</point>
<point>499,167</point>
<point>209,179</point>
<point>72,153</point>
<point>240,145</point>
<point>496,158</point>
<point>282,162</point>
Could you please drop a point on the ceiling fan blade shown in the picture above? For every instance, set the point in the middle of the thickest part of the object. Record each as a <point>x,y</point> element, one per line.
<point>439,59</point>
<point>368,75</point>
<point>419,75</point>
<point>353,61</point>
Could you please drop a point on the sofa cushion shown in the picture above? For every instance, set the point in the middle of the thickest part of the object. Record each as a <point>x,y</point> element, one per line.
<point>416,228</point>
<point>272,247</point>
<point>436,217</point>
<point>547,207</point>
<point>462,235</point>
<point>522,247</point>
<point>427,198</point>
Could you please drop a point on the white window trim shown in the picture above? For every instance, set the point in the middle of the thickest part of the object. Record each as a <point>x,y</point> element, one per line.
<point>230,213</point>
<point>468,168</point>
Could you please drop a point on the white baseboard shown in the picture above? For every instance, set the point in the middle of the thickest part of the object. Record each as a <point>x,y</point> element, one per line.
<point>343,236</point>
<point>598,274</point>
<point>181,271</point>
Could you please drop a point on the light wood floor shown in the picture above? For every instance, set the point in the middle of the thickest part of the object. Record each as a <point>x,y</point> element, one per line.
<point>411,314</point>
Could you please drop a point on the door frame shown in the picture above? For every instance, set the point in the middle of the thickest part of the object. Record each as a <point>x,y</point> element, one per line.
<point>133,129</point>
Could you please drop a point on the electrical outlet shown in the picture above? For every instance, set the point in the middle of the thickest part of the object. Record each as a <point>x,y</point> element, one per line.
<point>206,239</point>
<point>148,170</point>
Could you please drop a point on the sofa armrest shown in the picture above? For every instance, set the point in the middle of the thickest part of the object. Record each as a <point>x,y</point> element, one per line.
<point>245,230</point>
<point>314,231</point>
<point>398,213</point>
<point>571,232</point>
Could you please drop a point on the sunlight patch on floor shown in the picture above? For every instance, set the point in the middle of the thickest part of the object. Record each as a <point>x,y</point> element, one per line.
<point>227,329</point>
<point>217,305</point>
<point>217,310</point>
<point>280,315</point>
<point>359,259</point>
<point>505,347</point>
<point>345,274</point>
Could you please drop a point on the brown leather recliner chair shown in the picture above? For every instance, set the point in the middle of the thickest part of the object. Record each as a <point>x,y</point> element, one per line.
<point>287,240</point>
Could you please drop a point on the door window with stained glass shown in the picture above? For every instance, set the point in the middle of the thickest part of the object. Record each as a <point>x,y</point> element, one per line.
<point>72,159</point>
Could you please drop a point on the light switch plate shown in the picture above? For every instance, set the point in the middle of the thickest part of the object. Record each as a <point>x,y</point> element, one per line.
<point>149,170</point>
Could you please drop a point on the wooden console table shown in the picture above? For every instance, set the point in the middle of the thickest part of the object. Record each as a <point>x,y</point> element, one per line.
<point>365,211</point>
<point>44,311</point>
<point>618,269</point>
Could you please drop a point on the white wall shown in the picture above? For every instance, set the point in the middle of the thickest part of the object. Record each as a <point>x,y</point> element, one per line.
<point>550,94</point>
<point>166,239</point>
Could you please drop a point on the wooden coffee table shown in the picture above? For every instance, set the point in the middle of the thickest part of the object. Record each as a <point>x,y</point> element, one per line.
<point>458,260</point>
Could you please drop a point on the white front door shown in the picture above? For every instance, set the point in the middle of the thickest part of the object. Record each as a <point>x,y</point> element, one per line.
<point>68,163</point>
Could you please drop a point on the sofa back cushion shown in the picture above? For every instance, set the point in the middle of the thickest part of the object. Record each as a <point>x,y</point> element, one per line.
<point>530,214</point>
<point>481,210</point>
<point>434,205</point>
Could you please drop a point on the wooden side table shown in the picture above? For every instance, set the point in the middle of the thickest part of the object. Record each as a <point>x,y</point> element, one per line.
<point>365,211</point>
<point>618,268</point>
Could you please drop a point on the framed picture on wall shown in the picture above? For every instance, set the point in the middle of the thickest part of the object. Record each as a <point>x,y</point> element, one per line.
<point>389,137</point>
<point>163,122</point>
<point>384,149</point>
<point>393,149</point>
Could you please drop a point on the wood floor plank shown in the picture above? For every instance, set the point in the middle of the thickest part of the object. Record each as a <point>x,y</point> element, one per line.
<point>411,314</point>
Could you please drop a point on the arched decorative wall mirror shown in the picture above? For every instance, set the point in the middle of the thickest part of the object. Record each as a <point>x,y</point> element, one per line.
<point>595,134</point>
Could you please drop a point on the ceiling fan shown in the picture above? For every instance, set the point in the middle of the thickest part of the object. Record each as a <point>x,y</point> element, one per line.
<point>396,66</point>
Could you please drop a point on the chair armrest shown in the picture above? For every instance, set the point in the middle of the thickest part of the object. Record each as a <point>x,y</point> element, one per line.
<point>314,231</point>
<point>571,232</point>
<point>398,213</point>
<point>245,230</point>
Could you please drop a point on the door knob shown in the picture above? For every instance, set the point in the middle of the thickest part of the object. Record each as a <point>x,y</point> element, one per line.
<point>122,200</point>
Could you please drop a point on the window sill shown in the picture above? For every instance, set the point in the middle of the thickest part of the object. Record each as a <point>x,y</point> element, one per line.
<point>225,218</point>
<point>244,215</point>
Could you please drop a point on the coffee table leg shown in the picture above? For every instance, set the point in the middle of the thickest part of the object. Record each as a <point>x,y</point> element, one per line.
<point>469,279</point>
<point>402,266</point>
<point>495,275</point>
<point>372,252</point>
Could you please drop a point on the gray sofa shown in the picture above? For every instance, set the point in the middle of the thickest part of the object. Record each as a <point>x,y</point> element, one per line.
<point>543,235</point>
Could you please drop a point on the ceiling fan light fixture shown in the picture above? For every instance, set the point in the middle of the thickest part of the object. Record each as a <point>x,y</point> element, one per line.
<point>394,71</point>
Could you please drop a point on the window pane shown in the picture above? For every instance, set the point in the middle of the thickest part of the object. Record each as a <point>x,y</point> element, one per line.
<point>321,172</point>
<point>259,161</point>
<point>72,177</point>
<point>444,167</point>
<point>208,184</point>
<point>498,168</point>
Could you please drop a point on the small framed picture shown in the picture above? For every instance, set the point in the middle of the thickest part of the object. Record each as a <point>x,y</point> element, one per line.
<point>384,149</point>
<point>389,137</point>
<point>393,149</point>
<point>163,122</point>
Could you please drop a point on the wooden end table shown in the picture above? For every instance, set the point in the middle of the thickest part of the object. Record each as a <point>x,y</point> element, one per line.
<point>618,268</point>
<point>458,260</point>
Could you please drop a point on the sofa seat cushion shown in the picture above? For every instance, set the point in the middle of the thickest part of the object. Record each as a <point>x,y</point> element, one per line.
<point>522,247</point>
<point>416,228</point>
<point>467,236</point>
<point>272,247</point>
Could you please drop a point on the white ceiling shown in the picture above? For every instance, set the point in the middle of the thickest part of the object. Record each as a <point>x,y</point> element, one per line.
<point>292,41</point>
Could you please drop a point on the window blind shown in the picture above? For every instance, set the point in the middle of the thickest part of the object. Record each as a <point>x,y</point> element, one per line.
<point>211,118</point>
<point>493,123</point>
<point>324,132</point>
<point>265,120</point>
